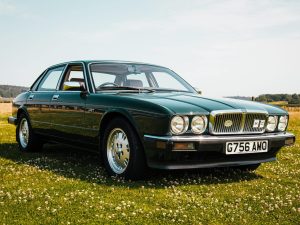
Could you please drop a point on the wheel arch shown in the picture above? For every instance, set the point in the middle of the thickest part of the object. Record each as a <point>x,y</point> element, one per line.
<point>110,115</point>
<point>23,110</point>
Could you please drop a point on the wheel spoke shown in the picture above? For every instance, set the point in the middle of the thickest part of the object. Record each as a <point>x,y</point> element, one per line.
<point>118,151</point>
<point>24,132</point>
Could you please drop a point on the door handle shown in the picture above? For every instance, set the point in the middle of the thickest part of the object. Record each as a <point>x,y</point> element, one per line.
<point>30,97</point>
<point>55,97</point>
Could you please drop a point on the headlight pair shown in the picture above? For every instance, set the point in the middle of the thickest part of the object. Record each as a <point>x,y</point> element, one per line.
<point>273,122</point>
<point>180,124</point>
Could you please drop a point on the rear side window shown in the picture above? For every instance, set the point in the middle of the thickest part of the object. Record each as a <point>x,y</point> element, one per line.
<point>50,80</point>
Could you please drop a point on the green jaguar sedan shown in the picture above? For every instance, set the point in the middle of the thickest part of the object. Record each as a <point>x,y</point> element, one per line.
<point>138,115</point>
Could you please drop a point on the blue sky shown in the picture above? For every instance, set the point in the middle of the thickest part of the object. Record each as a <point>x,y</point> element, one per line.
<point>234,47</point>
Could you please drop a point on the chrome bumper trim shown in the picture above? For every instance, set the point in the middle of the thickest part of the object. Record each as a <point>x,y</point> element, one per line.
<point>209,139</point>
<point>12,120</point>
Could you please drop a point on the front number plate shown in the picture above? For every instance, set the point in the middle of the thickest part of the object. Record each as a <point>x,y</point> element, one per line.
<point>244,147</point>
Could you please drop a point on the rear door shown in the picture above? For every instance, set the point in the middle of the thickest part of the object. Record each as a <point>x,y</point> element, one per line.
<point>39,99</point>
<point>68,105</point>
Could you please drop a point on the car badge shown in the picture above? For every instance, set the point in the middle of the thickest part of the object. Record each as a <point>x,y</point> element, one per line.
<point>228,123</point>
<point>262,124</point>
<point>256,123</point>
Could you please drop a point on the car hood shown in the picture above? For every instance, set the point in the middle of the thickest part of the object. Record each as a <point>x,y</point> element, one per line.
<point>189,103</point>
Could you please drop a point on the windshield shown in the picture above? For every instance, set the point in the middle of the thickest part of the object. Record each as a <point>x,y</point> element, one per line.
<point>115,76</point>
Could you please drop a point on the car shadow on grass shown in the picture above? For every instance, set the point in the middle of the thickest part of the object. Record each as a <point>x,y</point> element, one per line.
<point>70,162</point>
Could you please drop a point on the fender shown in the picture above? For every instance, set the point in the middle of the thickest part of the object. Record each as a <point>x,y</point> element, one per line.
<point>115,112</point>
<point>22,109</point>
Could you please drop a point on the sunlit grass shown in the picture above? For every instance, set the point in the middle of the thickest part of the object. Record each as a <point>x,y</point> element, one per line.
<point>62,185</point>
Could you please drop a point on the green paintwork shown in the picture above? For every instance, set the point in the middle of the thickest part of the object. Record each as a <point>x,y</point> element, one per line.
<point>79,117</point>
<point>191,103</point>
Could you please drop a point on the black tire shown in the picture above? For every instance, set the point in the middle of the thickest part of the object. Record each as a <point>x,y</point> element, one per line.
<point>34,144</point>
<point>136,167</point>
<point>248,168</point>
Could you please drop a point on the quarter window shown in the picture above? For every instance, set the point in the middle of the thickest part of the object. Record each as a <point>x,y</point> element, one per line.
<point>50,81</point>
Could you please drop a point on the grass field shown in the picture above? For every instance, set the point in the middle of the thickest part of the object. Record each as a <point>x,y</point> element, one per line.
<point>62,185</point>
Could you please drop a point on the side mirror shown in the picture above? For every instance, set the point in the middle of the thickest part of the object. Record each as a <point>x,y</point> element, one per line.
<point>83,90</point>
<point>198,91</point>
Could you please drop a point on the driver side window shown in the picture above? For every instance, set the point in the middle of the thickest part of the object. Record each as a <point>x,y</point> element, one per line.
<point>73,77</point>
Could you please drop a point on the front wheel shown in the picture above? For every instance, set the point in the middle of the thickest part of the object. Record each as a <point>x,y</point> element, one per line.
<point>27,140</point>
<point>122,151</point>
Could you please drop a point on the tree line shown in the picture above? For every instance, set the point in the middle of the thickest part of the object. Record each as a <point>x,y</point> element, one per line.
<point>9,91</point>
<point>291,99</point>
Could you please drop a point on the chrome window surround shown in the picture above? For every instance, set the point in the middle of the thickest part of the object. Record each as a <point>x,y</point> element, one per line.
<point>136,63</point>
<point>64,73</point>
<point>66,65</point>
<point>243,122</point>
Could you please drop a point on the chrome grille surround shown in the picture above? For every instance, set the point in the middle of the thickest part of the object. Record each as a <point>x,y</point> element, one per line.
<point>242,121</point>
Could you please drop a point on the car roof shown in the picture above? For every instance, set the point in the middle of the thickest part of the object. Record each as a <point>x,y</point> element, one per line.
<point>106,61</point>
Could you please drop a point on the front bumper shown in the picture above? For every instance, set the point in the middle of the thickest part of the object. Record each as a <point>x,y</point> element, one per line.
<point>209,151</point>
<point>12,120</point>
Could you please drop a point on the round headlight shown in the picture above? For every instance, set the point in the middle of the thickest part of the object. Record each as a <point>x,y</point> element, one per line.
<point>199,124</point>
<point>272,123</point>
<point>283,121</point>
<point>179,124</point>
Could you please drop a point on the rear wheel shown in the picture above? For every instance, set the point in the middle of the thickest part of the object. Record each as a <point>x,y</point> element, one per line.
<point>27,140</point>
<point>122,151</point>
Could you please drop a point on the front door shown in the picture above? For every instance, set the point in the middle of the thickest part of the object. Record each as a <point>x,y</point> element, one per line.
<point>68,106</point>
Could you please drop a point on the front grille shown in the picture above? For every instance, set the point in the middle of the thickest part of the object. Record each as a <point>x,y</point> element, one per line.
<point>226,122</point>
<point>220,121</point>
<point>250,118</point>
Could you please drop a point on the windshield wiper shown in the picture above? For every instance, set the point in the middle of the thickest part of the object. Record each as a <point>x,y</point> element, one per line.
<point>171,90</point>
<point>125,88</point>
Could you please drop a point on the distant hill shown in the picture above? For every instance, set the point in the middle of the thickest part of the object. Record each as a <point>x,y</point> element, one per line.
<point>10,91</point>
<point>241,97</point>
